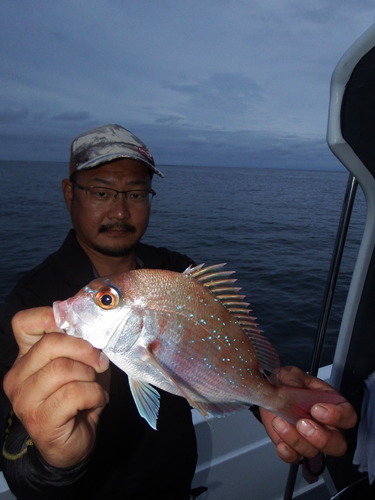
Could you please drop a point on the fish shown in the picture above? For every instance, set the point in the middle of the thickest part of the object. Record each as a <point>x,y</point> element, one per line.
<point>191,334</point>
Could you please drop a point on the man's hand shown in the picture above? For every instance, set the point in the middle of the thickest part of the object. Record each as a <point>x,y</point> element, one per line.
<point>310,436</point>
<point>54,387</point>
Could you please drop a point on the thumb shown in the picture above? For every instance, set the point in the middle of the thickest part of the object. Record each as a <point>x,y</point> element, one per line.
<point>30,325</point>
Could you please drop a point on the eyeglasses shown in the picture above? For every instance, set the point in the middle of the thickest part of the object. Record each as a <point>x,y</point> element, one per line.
<point>100,194</point>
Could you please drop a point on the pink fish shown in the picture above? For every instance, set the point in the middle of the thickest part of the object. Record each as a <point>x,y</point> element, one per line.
<point>190,334</point>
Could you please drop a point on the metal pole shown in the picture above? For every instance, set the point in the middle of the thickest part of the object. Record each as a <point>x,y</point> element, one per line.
<point>342,232</point>
<point>341,235</point>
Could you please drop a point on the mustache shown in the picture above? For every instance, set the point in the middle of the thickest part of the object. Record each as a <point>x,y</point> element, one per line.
<point>122,226</point>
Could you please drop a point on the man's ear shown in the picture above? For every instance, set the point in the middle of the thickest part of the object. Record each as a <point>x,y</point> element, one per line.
<point>67,187</point>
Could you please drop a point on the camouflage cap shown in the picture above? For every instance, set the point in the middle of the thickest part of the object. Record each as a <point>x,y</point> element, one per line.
<point>105,144</point>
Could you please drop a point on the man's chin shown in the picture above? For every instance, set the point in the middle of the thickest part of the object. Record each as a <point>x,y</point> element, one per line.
<point>114,251</point>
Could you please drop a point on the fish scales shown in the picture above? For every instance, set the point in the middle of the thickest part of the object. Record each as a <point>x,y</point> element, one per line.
<point>215,351</point>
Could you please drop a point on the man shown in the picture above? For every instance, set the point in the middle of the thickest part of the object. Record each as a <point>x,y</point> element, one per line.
<point>74,431</point>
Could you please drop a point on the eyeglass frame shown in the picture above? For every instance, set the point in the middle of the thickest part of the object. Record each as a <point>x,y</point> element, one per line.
<point>116,191</point>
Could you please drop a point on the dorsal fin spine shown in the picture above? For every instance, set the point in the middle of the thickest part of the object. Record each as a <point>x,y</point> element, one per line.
<point>219,284</point>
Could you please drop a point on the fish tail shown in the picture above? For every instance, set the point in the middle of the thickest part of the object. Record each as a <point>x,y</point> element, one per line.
<point>296,402</point>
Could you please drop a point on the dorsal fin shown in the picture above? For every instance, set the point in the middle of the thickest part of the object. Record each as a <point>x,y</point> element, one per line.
<point>221,286</point>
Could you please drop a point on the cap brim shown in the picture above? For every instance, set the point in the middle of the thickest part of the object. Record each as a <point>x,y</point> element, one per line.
<point>100,160</point>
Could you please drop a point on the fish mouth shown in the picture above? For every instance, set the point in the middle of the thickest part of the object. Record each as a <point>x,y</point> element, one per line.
<point>60,313</point>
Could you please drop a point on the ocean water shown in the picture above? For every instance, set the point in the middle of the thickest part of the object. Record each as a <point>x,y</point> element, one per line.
<point>275,228</point>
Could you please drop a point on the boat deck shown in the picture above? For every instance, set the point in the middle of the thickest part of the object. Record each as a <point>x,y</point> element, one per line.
<point>321,493</point>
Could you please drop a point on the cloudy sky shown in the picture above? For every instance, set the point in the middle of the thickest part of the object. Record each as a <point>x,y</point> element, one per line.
<point>203,82</point>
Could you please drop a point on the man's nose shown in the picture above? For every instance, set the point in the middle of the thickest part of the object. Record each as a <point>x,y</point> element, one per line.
<point>119,207</point>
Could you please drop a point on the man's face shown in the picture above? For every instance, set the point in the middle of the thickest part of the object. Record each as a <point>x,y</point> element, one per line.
<point>110,227</point>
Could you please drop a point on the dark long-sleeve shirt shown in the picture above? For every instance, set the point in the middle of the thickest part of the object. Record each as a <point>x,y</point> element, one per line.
<point>130,460</point>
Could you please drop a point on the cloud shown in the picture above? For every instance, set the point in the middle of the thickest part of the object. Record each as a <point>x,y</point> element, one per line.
<point>8,115</point>
<point>72,116</point>
<point>220,78</point>
<point>190,146</point>
<point>219,95</point>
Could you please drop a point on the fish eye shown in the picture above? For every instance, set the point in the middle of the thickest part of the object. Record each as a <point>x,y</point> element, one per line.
<point>107,298</point>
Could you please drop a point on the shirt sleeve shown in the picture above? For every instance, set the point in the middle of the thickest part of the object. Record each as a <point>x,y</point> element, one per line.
<point>28,474</point>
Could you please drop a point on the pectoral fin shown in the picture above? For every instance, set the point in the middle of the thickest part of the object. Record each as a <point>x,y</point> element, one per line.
<point>147,400</point>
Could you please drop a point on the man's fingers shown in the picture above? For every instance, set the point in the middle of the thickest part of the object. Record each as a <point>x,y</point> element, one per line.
<point>64,426</point>
<point>49,379</point>
<point>325,439</point>
<point>292,438</point>
<point>287,453</point>
<point>57,345</point>
<point>63,405</point>
<point>306,439</point>
<point>30,325</point>
<point>340,415</point>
